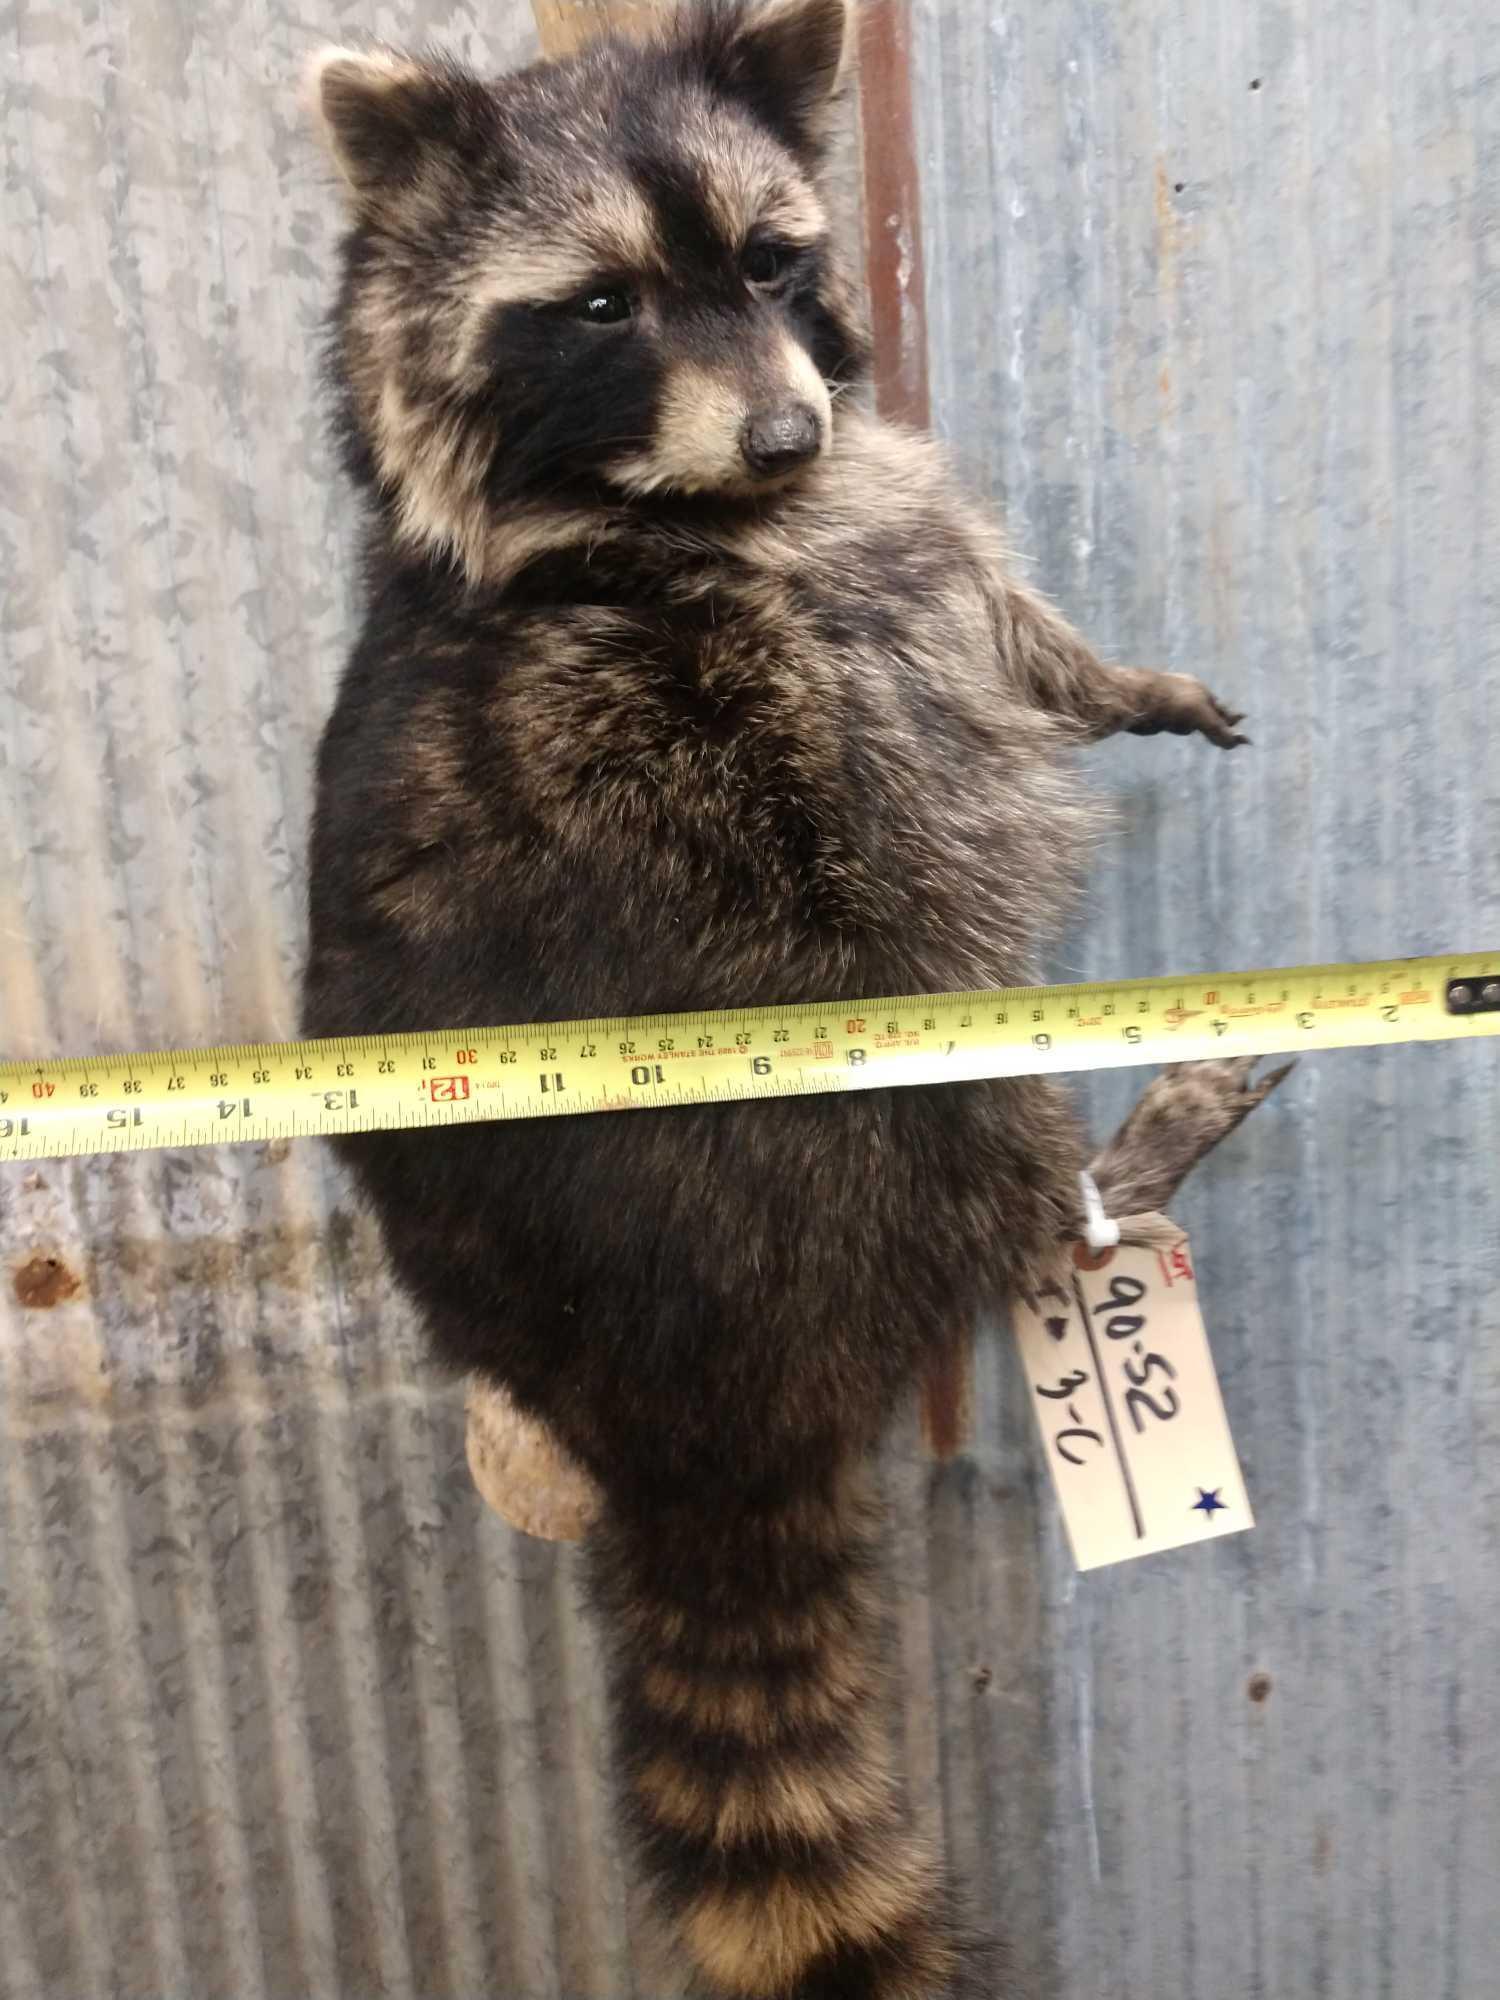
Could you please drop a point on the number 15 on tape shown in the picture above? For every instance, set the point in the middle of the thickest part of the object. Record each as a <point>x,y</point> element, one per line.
<point>1128,1404</point>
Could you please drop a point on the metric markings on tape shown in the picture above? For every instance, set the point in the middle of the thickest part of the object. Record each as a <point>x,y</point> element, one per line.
<point>292,1090</point>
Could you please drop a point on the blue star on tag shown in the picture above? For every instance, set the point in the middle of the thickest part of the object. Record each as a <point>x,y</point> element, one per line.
<point>1210,1504</point>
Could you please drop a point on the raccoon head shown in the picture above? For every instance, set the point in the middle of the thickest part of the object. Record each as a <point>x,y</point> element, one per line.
<point>607,280</point>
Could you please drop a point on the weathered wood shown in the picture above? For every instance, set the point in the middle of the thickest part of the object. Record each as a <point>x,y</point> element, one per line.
<point>523,1472</point>
<point>893,213</point>
<point>895,273</point>
<point>566,25</point>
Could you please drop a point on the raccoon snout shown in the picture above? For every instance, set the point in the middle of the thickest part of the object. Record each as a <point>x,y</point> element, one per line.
<point>780,439</point>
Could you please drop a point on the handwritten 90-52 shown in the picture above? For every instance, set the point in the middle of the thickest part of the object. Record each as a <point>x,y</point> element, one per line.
<point>1128,1403</point>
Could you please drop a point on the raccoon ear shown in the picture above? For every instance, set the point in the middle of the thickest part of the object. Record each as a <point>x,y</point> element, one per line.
<point>381,112</point>
<point>787,58</point>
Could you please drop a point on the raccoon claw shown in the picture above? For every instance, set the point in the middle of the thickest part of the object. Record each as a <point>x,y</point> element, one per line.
<point>1180,1117</point>
<point>1227,1083</point>
<point>1182,706</point>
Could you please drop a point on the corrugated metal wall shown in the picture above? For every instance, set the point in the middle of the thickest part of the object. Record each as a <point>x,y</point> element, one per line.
<point>1213,301</point>
<point>283,1710</point>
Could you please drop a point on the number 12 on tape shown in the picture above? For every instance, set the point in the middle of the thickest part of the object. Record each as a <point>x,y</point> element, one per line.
<point>1128,1402</point>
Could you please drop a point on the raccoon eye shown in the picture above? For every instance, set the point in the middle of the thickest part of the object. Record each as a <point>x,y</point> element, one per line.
<point>767,265</point>
<point>605,305</point>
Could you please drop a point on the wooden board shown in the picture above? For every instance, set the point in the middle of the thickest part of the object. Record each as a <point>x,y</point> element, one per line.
<point>566,25</point>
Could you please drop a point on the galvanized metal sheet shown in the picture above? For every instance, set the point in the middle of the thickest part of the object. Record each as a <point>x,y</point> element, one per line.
<point>283,1709</point>
<point>1212,296</point>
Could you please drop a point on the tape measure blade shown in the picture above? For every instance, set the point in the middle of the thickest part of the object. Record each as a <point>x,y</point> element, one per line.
<point>257,1091</point>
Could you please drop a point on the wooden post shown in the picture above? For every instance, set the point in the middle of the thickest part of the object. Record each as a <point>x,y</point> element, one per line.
<point>898,317</point>
<point>893,213</point>
<point>898,313</point>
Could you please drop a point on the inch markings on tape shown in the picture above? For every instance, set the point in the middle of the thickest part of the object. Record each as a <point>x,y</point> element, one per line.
<point>374,1083</point>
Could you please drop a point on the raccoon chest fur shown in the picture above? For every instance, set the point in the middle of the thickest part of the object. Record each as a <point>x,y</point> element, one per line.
<point>733,771</point>
<point>718,776</point>
<point>757,787</point>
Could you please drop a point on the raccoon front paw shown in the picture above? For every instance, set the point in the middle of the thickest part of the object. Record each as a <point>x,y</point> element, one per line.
<point>1183,706</point>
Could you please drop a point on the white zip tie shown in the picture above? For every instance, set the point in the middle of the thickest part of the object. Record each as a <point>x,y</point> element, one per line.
<point>1099,1232</point>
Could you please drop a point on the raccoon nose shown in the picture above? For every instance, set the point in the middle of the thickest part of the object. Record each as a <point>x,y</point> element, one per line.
<point>777,440</point>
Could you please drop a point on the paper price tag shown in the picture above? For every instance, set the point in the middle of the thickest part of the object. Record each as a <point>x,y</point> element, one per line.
<point>1128,1403</point>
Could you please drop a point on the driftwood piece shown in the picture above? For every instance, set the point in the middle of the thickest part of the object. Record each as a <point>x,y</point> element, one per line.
<point>523,1473</point>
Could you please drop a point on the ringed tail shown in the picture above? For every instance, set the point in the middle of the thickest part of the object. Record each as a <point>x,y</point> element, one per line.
<point>756,1766</point>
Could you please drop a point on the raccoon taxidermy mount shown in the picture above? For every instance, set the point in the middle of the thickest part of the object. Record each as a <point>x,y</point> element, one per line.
<point>685,684</point>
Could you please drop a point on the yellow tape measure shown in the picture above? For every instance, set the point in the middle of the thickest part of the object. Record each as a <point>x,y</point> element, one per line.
<point>382,1083</point>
